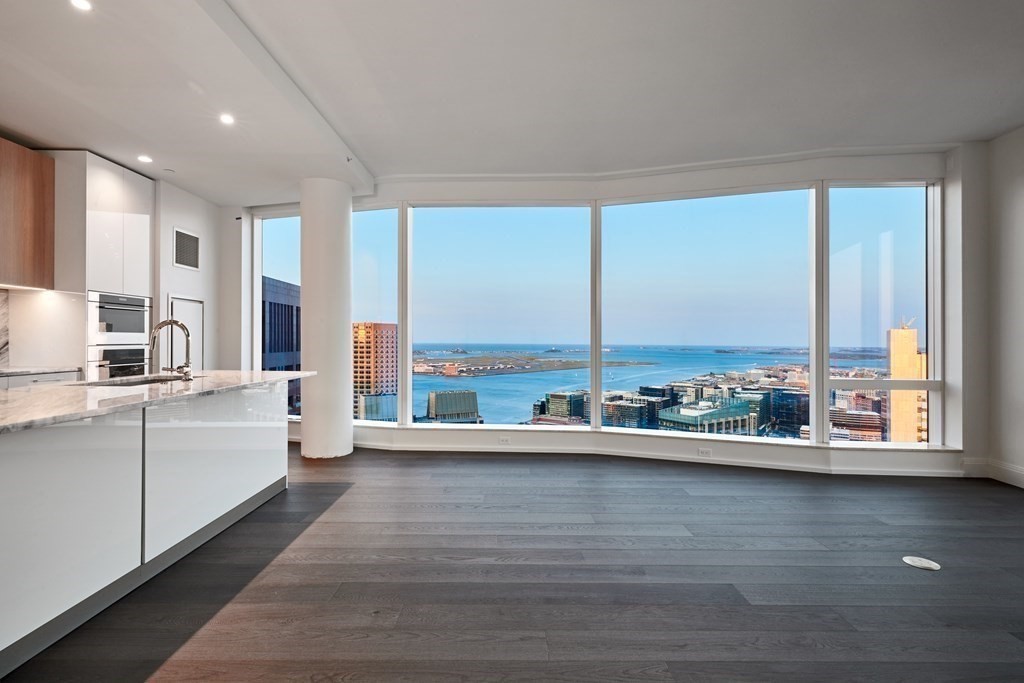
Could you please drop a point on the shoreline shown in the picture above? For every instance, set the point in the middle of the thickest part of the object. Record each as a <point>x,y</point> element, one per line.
<point>534,366</point>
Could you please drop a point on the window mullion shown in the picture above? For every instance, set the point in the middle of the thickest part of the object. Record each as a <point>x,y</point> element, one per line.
<point>404,315</point>
<point>818,356</point>
<point>596,363</point>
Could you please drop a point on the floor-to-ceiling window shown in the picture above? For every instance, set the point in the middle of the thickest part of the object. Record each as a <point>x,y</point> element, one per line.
<point>705,314</point>
<point>501,315</point>
<point>281,310</point>
<point>878,314</point>
<point>709,305</point>
<point>375,372</point>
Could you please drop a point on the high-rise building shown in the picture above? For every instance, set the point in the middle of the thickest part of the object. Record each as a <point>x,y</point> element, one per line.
<point>282,321</point>
<point>907,409</point>
<point>378,407</point>
<point>623,413</point>
<point>687,392</point>
<point>374,361</point>
<point>760,406</point>
<point>653,405</point>
<point>456,406</point>
<point>860,425</point>
<point>605,396</point>
<point>566,403</point>
<point>791,410</point>
<point>667,391</point>
<point>711,416</point>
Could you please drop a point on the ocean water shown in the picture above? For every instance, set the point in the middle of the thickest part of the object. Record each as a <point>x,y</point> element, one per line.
<point>508,399</point>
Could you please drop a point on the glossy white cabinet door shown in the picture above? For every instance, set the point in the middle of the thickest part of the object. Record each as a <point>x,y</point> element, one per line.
<point>45,379</point>
<point>104,225</point>
<point>207,455</point>
<point>71,506</point>
<point>138,224</point>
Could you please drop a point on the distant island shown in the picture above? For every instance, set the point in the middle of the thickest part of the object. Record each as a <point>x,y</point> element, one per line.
<point>479,366</point>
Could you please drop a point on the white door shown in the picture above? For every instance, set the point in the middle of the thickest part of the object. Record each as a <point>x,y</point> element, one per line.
<point>190,312</point>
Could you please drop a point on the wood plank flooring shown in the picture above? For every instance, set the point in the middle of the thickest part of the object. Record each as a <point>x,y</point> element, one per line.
<point>495,567</point>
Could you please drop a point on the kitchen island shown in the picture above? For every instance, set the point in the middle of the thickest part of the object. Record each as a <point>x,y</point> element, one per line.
<point>104,485</point>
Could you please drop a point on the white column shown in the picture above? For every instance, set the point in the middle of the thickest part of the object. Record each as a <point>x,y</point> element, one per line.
<point>326,208</point>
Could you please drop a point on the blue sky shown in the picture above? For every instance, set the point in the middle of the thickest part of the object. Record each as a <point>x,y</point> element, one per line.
<point>716,271</point>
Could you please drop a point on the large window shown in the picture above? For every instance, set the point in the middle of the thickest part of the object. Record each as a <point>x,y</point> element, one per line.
<point>705,315</point>
<point>810,312</point>
<point>878,314</point>
<point>282,313</point>
<point>375,315</point>
<point>501,311</point>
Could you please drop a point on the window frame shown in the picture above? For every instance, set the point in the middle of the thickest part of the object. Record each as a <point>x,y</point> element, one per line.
<point>814,190</point>
<point>405,355</point>
<point>818,302</point>
<point>397,206</point>
<point>935,320</point>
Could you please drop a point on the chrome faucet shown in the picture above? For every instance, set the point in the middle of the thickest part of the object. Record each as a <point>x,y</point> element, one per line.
<point>185,369</point>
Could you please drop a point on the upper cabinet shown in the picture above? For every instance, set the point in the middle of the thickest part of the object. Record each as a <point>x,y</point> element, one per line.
<point>26,217</point>
<point>104,226</point>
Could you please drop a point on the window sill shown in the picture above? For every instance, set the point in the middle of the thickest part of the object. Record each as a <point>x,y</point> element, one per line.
<point>847,446</point>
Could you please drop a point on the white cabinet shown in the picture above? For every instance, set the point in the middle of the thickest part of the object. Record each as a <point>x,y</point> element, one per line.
<point>106,212</point>
<point>72,505</point>
<point>138,221</point>
<point>38,380</point>
<point>205,455</point>
<point>104,225</point>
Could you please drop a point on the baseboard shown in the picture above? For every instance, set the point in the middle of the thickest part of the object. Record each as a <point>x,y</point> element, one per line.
<point>24,649</point>
<point>1006,472</point>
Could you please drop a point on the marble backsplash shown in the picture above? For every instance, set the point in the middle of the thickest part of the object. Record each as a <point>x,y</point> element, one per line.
<point>5,328</point>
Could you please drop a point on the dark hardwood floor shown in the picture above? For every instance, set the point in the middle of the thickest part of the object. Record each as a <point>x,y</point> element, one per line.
<point>493,567</point>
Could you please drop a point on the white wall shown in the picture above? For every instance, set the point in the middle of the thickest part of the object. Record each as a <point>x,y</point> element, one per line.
<point>966,241</point>
<point>1005,307</point>
<point>235,304</point>
<point>177,208</point>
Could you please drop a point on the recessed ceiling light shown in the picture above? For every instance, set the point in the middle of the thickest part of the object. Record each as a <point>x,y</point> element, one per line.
<point>227,119</point>
<point>145,159</point>
<point>83,5</point>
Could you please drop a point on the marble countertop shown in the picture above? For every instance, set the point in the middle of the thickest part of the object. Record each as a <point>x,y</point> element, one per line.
<point>35,370</point>
<point>28,407</point>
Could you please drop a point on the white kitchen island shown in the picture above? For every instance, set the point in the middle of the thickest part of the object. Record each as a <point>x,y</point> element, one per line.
<point>102,487</point>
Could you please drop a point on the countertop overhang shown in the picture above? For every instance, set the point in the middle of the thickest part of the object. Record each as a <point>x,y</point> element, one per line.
<point>29,407</point>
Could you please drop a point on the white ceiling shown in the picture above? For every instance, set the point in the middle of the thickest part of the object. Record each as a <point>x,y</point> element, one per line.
<point>476,87</point>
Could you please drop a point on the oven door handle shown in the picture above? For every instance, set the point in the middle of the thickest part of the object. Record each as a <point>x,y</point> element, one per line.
<point>136,309</point>
<point>102,363</point>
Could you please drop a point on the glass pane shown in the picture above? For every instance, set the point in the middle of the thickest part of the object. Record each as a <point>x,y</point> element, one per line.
<point>878,296</point>
<point>869,415</point>
<point>705,320</point>
<point>375,315</point>
<point>501,300</point>
<point>281,308</point>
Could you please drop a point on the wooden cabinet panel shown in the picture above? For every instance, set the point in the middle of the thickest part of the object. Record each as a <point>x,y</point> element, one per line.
<point>26,217</point>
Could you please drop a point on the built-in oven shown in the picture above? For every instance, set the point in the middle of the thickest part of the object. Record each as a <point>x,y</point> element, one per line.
<point>118,319</point>
<point>108,362</point>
